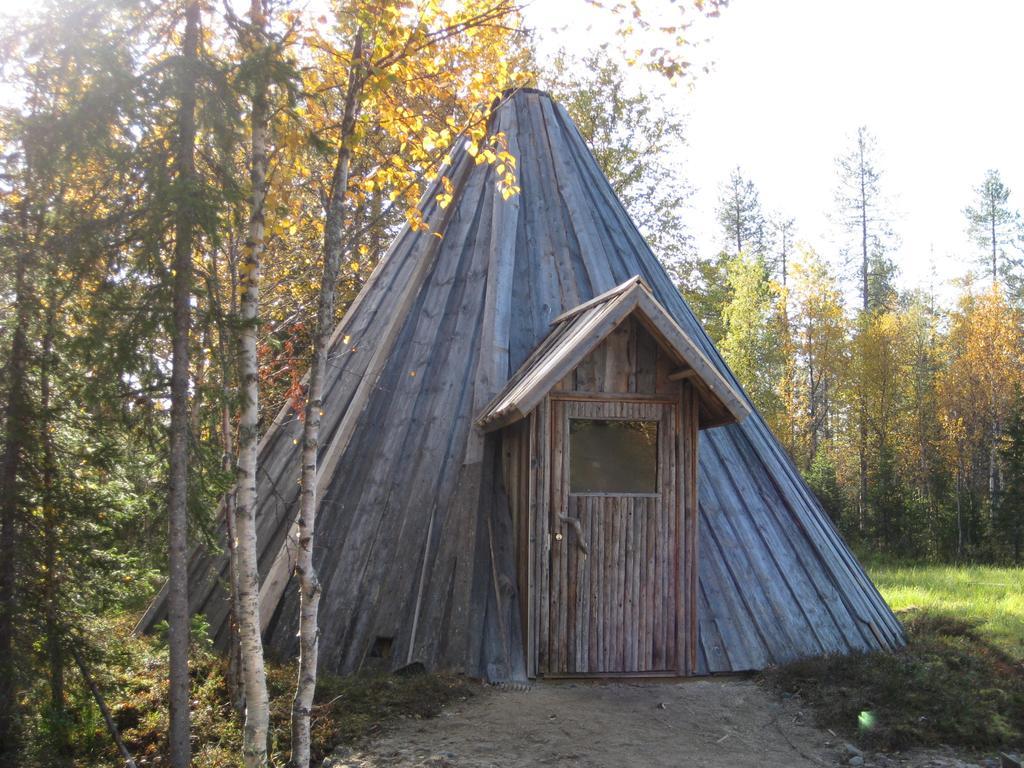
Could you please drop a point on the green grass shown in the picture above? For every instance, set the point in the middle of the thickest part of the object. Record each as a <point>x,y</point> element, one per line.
<point>959,681</point>
<point>991,598</point>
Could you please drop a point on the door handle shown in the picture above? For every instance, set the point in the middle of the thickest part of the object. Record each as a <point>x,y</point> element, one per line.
<point>575,523</point>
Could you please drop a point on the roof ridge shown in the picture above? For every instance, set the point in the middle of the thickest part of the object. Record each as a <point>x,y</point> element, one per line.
<point>601,297</point>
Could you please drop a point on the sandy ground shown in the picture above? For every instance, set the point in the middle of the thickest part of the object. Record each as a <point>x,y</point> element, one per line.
<point>728,723</point>
<point>720,723</point>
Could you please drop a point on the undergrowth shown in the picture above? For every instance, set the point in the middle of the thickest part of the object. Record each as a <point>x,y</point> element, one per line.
<point>132,673</point>
<point>951,685</point>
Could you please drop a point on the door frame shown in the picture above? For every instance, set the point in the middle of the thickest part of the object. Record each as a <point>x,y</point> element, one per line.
<point>540,533</point>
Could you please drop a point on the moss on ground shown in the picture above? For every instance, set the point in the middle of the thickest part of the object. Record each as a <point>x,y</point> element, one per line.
<point>951,685</point>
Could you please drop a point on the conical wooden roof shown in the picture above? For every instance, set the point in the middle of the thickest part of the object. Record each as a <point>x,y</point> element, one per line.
<point>414,543</point>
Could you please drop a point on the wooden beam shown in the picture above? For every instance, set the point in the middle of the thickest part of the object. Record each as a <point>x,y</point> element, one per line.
<point>682,375</point>
<point>601,298</point>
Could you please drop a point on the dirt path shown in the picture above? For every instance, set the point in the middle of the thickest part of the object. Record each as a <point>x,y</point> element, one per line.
<point>712,723</point>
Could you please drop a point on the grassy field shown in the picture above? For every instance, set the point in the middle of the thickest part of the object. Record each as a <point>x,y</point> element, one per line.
<point>990,598</point>
<point>959,681</point>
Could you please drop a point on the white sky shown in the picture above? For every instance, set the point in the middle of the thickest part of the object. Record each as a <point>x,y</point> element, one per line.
<point>937,83</point>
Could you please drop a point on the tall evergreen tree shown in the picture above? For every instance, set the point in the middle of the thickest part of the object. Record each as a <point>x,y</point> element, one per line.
<point>861,210</point>
<point>66,213</point>
<point>991,223</point>
<point>185,226</point>
<point>739,214</point>
<point>862,214</point>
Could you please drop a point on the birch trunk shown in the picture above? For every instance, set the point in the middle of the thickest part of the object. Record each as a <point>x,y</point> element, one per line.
<point>179,737</point>
<point>309,584</point>
<point>247,610</point>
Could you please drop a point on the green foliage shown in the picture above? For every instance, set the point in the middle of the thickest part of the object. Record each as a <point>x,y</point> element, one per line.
<point>707,291</point>
<point>754,322</point>
<point>821,476</point>
<point>130,672</point>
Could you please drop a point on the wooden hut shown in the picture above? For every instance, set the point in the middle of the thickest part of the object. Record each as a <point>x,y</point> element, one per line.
<point>535,462</point>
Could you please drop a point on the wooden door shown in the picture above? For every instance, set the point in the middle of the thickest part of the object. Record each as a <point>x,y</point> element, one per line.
<point>614,538</point>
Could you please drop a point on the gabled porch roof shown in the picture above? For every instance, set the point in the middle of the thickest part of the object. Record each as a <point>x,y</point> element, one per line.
<point>578,331</point>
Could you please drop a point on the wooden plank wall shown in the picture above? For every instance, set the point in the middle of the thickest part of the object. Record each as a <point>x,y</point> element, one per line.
<point>615,606</point>
<point>688,438</point>
<point>635,626</point>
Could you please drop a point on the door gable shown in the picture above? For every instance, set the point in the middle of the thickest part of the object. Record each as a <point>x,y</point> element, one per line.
<point>577,333</point>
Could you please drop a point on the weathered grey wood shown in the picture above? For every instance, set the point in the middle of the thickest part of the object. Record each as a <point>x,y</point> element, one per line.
<point>589,329</point>
<point>569,314</point>
<point>411,481</point>
<point>627,240</point>
<point>601,604</point>
<point>689,373</point>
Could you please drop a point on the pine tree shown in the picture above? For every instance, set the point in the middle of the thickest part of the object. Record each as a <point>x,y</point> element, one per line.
<point>68,207</point>
<point>862,214</point>
<point>991,223</point>
<point>739,213</point>
<point>784,230</point>
<point>179,738</point>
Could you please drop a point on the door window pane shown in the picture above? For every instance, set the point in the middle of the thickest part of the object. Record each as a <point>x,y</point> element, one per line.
<point>613,456</point>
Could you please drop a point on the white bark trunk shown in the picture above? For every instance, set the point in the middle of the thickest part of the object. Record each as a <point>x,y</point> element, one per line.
<point>309,583</point>
<point>247,611</point>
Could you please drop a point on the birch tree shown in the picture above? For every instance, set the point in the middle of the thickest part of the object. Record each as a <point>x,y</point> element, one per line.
<point>395,59</point>
<point>980,384</point>
<point>821,328</point>
<point>244,551</point>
